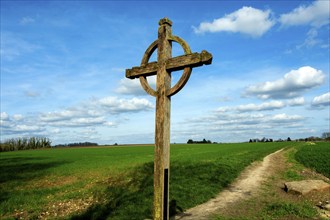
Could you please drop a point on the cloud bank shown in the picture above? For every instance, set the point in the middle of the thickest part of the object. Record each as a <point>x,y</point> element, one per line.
<point>95,112</point>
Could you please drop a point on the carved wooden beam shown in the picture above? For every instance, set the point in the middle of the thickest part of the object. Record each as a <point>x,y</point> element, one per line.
<point>173,64</point>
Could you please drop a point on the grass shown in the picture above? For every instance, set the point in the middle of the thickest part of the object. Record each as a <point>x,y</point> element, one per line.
<point>315,156</point>
<point>294,169</point>
<point>286,209</point>
<point>115,183</point>
<point>272,201</point>
<point>280,209</point>
<point>32,180</point>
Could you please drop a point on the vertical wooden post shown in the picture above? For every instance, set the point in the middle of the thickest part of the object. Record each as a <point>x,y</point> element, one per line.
<point>162,133</point>
<point>162,68</point>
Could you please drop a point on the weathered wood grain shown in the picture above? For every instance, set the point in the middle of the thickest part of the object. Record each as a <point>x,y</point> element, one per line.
<point>173,64</point>
<point>162,68</point>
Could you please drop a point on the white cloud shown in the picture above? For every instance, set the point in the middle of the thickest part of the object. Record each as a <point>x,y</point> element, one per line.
<point>322,100</point>
<point>296,101</point>
<point>4,116</point>
<point>247,20</point>
<point>291,85</point>
<point>62,115</point>
<point>230,119</point>
<point>266,106</point>
<point>7,121</point>
<point>133,87</point>
<point>80,122</point>
<point>284,118</point>
<point>130,87</point>
<point>17,124</point>
<point>56,131</point>
<point>261,107</point>
<point>17,117</point>
<point>91,113</point>
<point>26,128</point>
<point>94,112</point>
<point>89,134</point>
<point>316,14</point>
<point>115,105</point>
<point>4,121</point>
<point>98,107</point>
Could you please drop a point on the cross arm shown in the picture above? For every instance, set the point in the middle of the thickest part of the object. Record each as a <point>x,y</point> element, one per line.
<point>149,69</point>
<point>173,64</point>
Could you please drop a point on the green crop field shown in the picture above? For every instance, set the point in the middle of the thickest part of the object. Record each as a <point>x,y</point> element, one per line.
<point>116,182</point>
<point>315,156</point>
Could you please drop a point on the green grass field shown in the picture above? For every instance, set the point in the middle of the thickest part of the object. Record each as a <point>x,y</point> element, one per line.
<point>315,156</point>
<point>116,182</point>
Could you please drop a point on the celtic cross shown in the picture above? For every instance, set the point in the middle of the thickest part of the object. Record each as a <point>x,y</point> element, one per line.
<point>162,68</point>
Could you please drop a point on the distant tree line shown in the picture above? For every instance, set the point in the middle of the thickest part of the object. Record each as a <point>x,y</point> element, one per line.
<point>25,143</point>
<point>78,144</point>
<point>325,137</point>
<point>204,141</point>
<point>267,140</point>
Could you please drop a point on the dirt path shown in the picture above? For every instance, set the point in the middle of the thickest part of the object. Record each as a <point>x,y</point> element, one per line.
<point>244,187</point>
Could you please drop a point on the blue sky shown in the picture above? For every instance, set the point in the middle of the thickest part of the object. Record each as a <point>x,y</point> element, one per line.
<point>63,70</point>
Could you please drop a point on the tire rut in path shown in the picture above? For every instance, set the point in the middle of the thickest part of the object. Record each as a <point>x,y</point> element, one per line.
<point>244,187</point>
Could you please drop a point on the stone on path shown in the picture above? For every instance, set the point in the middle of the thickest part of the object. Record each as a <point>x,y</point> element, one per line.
<point>306,186</point>
<point>327,207</point>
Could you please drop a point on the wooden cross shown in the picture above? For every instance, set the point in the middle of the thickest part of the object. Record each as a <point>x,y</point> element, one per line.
<point>162,68</point>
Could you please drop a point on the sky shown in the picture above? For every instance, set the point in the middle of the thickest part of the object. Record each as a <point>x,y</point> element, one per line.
<point>63,70</point>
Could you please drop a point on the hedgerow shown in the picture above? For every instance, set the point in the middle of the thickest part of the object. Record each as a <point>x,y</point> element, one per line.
<point>25,143</point>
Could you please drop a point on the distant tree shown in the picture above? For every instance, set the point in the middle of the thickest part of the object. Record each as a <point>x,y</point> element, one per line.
<point>326,135</point>
<point>204,141</point>
<point>190,141</point>
<point>288,139</point>
<point>250,141</point>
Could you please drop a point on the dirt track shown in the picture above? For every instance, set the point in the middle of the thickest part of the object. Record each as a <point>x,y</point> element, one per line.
<point>244,187</point>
